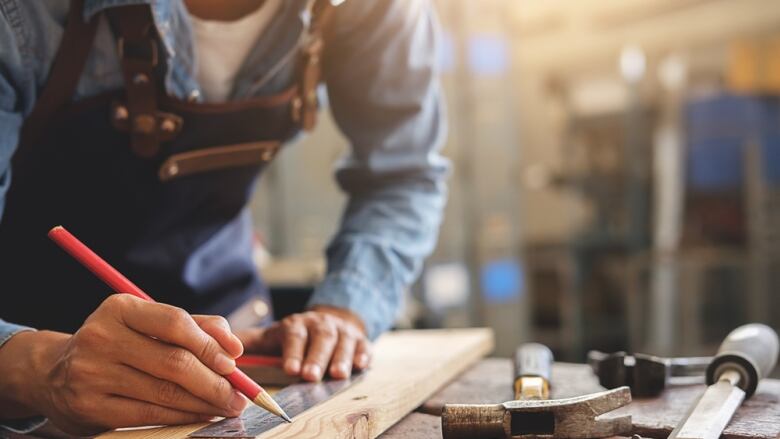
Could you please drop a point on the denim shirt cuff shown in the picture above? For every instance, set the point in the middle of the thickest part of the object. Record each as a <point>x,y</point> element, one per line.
<point>19,426</point>
<point>354,291</point>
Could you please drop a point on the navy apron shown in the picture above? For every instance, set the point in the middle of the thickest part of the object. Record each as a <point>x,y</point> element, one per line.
<point>157,186</point>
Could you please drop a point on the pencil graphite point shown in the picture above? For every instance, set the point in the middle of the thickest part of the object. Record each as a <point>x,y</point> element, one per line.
<point>265,401</point>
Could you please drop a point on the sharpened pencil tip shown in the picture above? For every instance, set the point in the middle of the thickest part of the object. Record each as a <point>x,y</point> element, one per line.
<point>264,400</point>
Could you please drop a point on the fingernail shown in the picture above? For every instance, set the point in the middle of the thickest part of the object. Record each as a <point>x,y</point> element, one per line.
<point>312,372</point>
<point>362,361</point>
<point>237,402</point>
<point>292,366</point>
<point>340,370</point>
<point>225,364</point>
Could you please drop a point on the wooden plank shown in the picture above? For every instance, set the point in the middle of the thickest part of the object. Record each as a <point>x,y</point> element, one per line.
<point>408,367</point>
<point>490,381</point>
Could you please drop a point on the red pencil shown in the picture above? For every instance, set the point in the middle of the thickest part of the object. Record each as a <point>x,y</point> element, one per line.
<point>259,360</point>
<point>121,284</point>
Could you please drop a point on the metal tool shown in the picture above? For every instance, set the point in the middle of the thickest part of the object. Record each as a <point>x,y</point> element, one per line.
<point>646,375</point>
<point>533,367</point>
<point>747,355</point>
<point>552,418</point>
<point>533,414</point>
<point>294,399</point>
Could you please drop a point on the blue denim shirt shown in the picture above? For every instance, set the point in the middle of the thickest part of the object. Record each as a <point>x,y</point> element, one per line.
<point>383,93</point>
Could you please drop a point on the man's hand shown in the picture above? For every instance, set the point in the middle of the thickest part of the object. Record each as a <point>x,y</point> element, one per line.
<point>311,343</point>
<point>132,363</point>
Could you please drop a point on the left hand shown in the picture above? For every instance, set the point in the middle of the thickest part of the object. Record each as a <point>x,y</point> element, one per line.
<point>313,342</point>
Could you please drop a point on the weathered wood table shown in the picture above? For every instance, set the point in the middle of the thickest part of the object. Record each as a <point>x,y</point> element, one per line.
<point>490,381</point>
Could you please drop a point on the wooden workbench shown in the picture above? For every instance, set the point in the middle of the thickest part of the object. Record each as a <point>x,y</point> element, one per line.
<point>490,381</point>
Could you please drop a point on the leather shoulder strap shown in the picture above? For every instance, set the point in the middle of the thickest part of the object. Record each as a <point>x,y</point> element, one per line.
<point>305,106</point>
<point>65,72</point>
<point>138,47</point>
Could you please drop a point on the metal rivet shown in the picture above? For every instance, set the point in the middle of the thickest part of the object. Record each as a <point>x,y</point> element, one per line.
<point>260,308</point>
<point>140,79</point>
<point>297,104</point>
<point>144,124</point>
<point>121,113</point>
<point>194,96</point>
<point>311,97</point>
<point>173,169</point>
<point>168,125</point>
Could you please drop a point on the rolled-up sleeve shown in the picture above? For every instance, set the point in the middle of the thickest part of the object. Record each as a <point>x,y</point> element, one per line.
<point>19,426</point>
<point>380,69</point>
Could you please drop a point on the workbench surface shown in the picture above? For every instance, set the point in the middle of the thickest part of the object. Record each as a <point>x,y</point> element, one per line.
<point>490,381</point>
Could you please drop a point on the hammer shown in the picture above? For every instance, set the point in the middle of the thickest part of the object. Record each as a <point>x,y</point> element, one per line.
<point>533,415</point>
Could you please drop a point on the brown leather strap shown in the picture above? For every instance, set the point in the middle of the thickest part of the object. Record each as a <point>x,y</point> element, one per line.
<point>310,71</point>
<point>137,45</point>
<point>64,74</point>
<point>216,158</point>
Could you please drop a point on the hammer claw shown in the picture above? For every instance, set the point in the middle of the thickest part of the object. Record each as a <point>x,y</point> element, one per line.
<point>581,417</point>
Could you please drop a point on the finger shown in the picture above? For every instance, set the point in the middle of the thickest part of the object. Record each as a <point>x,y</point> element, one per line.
<point>219,329</point>
<point>341,364</point>
<point>294,337</point>
<point>178,365</point>
<point>125,412</point>
<point>131,383</point>
<point>324,336</point>
<point>175,326</point>
<point>362,354</point>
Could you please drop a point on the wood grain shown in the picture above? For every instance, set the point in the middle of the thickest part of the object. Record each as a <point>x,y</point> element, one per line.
<point>491,381</point>
<point>415,426</point>
<point>408,367</point>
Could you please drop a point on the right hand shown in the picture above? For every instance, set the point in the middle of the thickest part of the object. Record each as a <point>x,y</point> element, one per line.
<point>132,363</point>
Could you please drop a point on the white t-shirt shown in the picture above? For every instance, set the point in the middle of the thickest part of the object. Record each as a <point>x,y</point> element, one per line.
<point>222,46</point>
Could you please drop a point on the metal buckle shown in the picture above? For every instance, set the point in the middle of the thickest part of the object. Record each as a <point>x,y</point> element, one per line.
<point>152,44</point>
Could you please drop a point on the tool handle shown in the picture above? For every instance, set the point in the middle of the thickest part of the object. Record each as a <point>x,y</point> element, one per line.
<point>473,421</point>
<point>533,360</point>
<point>751,350</point>
<point>533,367</point>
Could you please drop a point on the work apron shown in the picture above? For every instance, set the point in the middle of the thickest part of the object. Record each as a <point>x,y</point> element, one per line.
<point>157,186</point>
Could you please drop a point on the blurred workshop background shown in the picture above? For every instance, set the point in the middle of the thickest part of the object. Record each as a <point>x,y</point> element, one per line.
<point>616,178</point>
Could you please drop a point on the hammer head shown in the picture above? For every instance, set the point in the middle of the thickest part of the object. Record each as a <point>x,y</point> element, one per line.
<point>554,418</point>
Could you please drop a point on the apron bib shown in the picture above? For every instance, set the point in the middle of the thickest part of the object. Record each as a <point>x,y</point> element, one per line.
<point>155,185</point>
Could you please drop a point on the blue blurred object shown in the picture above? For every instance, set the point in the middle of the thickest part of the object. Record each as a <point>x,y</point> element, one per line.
<point>719,129</point>
<point>488,54</point>
<point>502,281</point>
<point>447,53</point>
